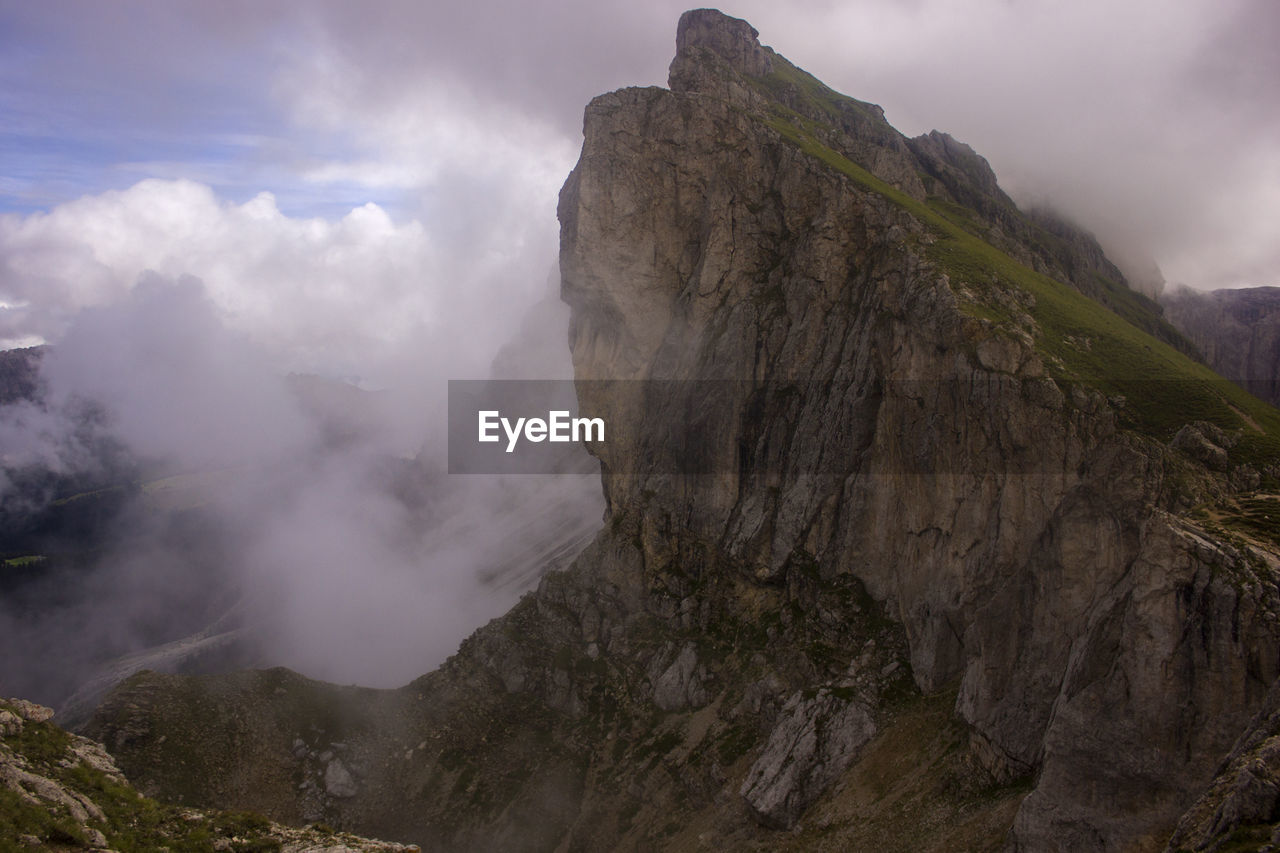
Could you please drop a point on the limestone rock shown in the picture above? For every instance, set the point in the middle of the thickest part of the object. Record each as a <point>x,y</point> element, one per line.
<point>1245,794</point>
<point>732,39</point>
<point>338,781</point>
<point>10,723</point>
<point>1197,441</point>
<point>814,742</point>
<point>680,684</point>
<point>1026,554</point>
<point>30,710</point>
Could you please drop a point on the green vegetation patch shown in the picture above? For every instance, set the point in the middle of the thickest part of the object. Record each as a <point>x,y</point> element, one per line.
<point>1248,837</point>
<point>19,817</point>
<point>40,743</point>
<point>23,561</point>
<point>787,82</point>
<point>133,823</point>
<point>1081,340</point>
<point>1258,515</point>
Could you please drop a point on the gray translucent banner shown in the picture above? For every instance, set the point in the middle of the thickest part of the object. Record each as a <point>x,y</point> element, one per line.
<point>780,430</point>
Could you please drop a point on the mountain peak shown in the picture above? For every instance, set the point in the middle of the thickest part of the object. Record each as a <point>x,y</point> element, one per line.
<point>938,519</point>
<point>707,33</point>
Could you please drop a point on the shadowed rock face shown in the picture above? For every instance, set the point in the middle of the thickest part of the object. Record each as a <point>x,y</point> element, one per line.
<point>20,374</point>
<point>1237,331</point>
<point>905,500</point>
<point>1243,803</point>
<point>1015,532</point>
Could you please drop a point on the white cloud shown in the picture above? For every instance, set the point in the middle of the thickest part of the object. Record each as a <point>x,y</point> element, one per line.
<point>351,563</point>
<point>178,312</point>
<point>1142,117</point>
<point>337,296</point>
<point>1153,124</point>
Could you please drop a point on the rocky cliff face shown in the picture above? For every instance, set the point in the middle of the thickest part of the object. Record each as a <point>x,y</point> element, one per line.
<point>947,580</point>
<point>1238,331</point>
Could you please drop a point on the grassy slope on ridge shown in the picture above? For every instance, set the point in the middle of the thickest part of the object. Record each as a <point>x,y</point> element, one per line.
<point>1081,340</point>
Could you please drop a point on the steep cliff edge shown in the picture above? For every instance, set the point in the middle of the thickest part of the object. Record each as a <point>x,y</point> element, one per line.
<point>973,561</point>
<point>1238,331</point>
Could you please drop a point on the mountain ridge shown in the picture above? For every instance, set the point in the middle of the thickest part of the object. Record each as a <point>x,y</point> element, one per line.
<point>977,550</point>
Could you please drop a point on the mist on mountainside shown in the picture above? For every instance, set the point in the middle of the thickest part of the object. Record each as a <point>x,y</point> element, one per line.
<point>240,438</point>
<point>175,498</point>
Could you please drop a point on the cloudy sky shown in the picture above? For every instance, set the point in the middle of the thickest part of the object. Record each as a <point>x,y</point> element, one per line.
<point>343,175</point>
<point>196,197</point>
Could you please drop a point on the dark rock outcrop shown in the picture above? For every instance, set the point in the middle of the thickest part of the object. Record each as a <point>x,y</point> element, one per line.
<point>20,374</point>
<point>1242,805</point>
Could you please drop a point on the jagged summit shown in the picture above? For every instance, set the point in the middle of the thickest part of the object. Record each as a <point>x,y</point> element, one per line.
<point>721,57</point>
<point>732,39</point>
<point>942,152</point>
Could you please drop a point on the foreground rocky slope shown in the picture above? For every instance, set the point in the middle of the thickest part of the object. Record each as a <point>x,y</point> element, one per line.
<point>971,562</point>
<point>1238,331</point>
<point>63,792</point>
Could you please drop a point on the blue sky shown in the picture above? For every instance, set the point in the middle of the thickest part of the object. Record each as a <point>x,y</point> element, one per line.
<point>170,99</point>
